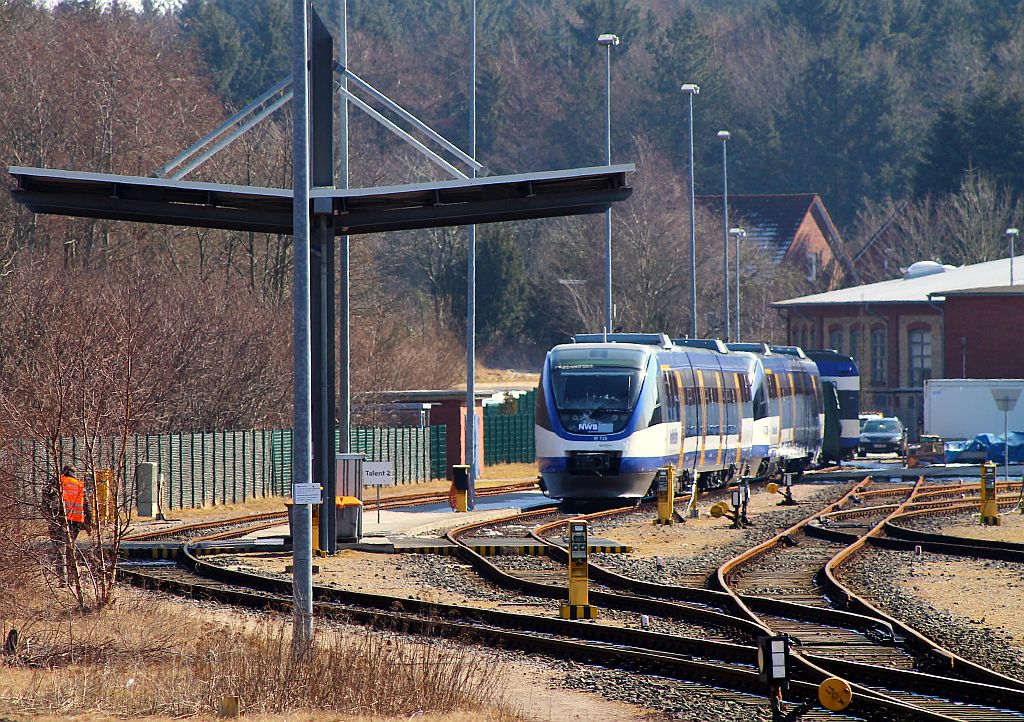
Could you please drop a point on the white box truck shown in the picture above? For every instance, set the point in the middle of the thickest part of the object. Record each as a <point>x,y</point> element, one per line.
<point>964,408</point>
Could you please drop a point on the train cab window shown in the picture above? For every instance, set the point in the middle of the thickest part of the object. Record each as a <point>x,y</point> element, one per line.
<point>597,400</point>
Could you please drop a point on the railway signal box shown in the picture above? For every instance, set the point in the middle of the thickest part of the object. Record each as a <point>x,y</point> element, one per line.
<point>989,504</point>
<point>579,606</point>
<point>666,483</point>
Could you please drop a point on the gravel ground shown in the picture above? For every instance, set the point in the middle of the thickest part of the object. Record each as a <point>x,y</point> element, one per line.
<point>892,581</point>
<point>673,699</point>
<point>701,555</point>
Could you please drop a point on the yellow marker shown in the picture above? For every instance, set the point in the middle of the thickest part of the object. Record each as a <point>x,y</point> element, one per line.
<point>316,528</point>
<point>772,487</point>
<point>579,593</point>
<point>460,480</point>
<point>666,495</point>
<point>835,694</point>
<point>104,503</point>
<point>989,505</point>
<point>718,510</point>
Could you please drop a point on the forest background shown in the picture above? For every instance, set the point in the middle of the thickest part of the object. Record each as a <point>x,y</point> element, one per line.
<point>900,113</point>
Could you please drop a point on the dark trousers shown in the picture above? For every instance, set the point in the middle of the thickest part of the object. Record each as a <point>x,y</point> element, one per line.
<point>63,546</point>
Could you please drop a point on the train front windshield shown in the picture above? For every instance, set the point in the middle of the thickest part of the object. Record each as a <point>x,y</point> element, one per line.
<point>592,395</point>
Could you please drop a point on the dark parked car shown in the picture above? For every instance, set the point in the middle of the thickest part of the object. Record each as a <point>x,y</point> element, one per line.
<point>883,435</point>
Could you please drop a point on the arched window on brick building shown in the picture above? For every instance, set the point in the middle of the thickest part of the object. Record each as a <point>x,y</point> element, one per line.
<point>920,356</point>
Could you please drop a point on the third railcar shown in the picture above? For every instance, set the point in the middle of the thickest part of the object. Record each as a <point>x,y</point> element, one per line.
<point>839,373</point>
<point>612,410</point>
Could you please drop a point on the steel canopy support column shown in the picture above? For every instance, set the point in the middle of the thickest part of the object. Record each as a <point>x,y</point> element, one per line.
<point>302,538</point>
<point>344,388</point>
<point>322,291</point>
<point>471,434</point>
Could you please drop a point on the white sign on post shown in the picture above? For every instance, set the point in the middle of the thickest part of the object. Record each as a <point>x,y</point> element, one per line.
<point>378,473</point>
<point>307,494</point>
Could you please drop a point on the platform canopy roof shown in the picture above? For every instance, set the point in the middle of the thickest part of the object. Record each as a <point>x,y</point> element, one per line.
<point>355,210</point>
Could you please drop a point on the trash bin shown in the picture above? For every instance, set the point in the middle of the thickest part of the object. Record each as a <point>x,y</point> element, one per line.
<point>349,518</point>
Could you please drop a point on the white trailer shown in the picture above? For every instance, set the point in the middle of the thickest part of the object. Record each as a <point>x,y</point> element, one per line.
<point>964,408</point>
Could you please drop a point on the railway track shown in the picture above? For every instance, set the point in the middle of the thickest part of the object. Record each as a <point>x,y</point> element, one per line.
<point>789,586</point>
<point>900,682</point>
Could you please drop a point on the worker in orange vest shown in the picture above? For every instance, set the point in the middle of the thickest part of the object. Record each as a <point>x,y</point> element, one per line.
<point>68,515</point>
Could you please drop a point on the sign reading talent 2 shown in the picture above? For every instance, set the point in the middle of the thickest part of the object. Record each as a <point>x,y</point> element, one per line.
<point>378,473</point>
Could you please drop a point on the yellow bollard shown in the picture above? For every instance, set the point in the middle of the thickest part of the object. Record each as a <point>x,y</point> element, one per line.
<point>989,505</point>
<point>666,495</point>
<point>316,528</point>
<point>460,480</point>
<point>579,594</point>
<point>103,500</point>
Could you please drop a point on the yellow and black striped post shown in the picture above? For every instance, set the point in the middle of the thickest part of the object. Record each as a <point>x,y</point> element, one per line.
<point>579,595</point>
<point>989,505</point>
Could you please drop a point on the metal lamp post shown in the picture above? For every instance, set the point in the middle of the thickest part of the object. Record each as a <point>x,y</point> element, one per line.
<point>471,433</point>
<point>738,233</point>
<point>691,90</point>
<point>1011,233</point>
<point>724,135</point>
<point>608,40</point>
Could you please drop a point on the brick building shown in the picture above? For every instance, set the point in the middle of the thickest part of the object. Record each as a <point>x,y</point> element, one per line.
<point>935,322</point>
<point>794,229</point>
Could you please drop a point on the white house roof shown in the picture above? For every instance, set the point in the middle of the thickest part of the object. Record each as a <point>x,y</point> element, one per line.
<point>918,290</point>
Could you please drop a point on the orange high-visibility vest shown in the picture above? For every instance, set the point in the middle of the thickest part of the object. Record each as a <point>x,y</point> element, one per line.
<point>73,492</point>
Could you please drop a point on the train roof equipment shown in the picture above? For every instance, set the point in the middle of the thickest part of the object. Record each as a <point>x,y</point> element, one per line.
<point>644,339</point>
<point>761,348</point>
<point>711,344</point>
<point>789,351</point>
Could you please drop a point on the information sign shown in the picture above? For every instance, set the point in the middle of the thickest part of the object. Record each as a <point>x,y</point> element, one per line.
<point>307,494</point>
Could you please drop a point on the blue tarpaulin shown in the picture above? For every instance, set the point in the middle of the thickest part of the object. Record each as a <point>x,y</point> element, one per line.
<point>992,445</point>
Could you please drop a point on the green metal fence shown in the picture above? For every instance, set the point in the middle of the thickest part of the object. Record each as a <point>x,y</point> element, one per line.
<point>201,469</point>
<point>508,431</point>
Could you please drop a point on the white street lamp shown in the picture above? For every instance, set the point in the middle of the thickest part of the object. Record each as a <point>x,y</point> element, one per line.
<point>737,233</point>
<point>1011,233</point>
<point>691,89</point>
<point>608,40</point>
<point>724,135</point>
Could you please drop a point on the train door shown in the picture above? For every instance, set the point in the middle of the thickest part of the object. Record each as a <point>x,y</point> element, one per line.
<point>691,417</point>
<point>702,411</point>
<point>721,411</point>
<point>673,410</point>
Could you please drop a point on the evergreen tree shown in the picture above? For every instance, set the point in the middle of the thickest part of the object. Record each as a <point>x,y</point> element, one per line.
<point>245,43</point>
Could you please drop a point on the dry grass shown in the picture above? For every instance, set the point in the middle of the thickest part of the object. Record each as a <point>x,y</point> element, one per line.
<point>146,657</point>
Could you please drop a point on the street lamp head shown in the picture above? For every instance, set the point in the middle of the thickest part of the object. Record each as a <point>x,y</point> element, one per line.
<point>724,135</point>
<point>607,39</point>
<point>690,88</point>
<point>1012,232</point>
<point>737,233</point>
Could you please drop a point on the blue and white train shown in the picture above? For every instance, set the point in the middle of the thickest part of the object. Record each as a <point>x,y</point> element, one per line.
<point>612,410</point>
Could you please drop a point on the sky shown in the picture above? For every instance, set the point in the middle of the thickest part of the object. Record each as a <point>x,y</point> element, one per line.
<point>134,4</point>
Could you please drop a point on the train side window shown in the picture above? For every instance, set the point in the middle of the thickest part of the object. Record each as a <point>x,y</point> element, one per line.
<point>692,402</point>
<point>761,402</point>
